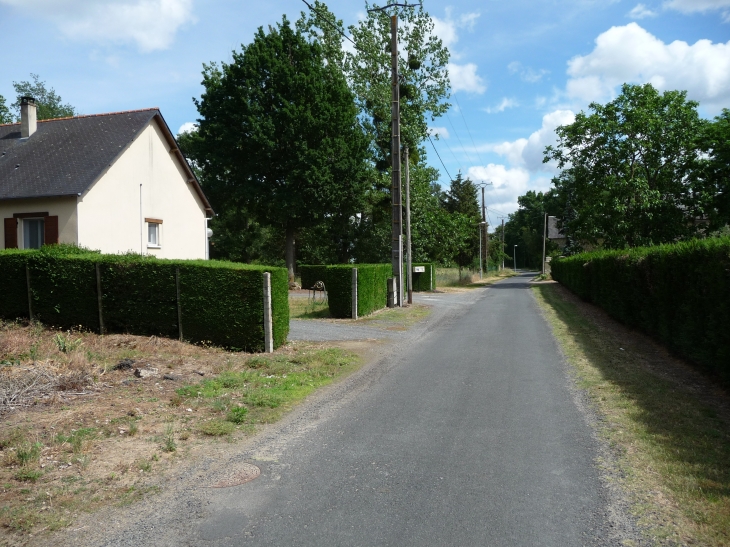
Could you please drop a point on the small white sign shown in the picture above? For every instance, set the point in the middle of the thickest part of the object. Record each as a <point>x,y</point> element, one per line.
<point>419,269</point>
<point>548,258</point>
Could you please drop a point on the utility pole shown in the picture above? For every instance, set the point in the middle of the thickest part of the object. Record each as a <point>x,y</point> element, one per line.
<point>395,189</point>
<point>485,226</point>
<point>502,244</point>
<point>544,238</point>
<point>409,262</point>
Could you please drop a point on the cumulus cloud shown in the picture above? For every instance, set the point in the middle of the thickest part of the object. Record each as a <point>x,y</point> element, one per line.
<point>640,11</point>
<point>503,105</point>
<point>465,78</point>
<point>631,54</point>
<point>507,184</point>
<point>440,132</point>
<point>149,24</point>
<point>447,29</point>
<point>527,73</point>
<point>187,127</point>
<point>528,153</point>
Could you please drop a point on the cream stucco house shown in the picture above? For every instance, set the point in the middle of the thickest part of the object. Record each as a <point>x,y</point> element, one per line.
<point>114,182</point>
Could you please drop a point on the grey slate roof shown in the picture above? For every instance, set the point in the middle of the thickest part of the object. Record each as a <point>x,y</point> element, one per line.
<point>64,157</point>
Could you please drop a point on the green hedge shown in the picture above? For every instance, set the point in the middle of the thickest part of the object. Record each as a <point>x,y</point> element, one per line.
<point>678,293</point>
<point>372,286</point>
<point>221,302</point>
<point>311,274</point>
<point>425,281</point>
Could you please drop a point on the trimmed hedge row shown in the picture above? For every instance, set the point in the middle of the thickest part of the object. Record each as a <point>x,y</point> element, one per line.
<point>678,293</point>
<point>425,281</point>
<point>372,286</point>
<point>221,302</point>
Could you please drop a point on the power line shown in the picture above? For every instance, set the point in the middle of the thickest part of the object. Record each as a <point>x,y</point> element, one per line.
<point>439,156</point>
<point>458,138</point>
<point>467,130</point>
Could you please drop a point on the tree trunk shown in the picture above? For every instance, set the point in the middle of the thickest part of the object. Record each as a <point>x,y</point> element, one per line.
<point>290,252</point>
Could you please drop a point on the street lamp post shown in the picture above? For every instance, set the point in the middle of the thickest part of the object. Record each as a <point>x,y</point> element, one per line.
<point>514,255</point>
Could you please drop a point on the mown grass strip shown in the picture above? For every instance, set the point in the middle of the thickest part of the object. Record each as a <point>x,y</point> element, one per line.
<point>266,386</point>
<point>673,443</point>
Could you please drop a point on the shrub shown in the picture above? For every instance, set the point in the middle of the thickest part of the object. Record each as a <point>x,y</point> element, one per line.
<point>678,293</point>
<point>221,302</point>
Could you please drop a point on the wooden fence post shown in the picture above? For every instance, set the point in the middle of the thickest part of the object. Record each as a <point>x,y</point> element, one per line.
<point>354,293</point>
<point>268,328</point>
<point>30,297</point>
<point>179,305</point>
<point>98,298</point>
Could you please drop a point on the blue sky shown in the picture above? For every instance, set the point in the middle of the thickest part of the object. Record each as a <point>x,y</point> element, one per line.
<point>518,68</point>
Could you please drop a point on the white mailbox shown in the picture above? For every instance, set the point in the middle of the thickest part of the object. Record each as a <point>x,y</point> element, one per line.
<point>419,269</point>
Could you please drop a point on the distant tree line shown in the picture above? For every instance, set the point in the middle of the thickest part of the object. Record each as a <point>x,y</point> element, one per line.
<point>48,103</point>
<point>641,170</point>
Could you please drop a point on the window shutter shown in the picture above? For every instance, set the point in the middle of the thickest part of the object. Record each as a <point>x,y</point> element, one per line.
<point>11,233</point>
<point>50,237</point>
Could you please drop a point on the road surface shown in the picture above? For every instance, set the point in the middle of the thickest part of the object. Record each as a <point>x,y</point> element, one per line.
<point>466,433</point>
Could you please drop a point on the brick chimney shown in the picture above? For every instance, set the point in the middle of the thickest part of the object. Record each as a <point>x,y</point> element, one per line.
<point>28,123</point>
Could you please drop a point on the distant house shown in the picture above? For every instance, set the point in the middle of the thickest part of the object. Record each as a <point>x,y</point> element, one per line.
<point>555,234</point>
<point>114,182</point>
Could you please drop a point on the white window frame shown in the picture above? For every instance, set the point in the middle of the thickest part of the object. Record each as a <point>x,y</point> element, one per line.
<point>157,223</point>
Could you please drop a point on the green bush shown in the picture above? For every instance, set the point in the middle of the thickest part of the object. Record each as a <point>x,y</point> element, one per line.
<point>425,281</point>
<point>372,286</point>
<point>678,293</point>
<point>221,302</point>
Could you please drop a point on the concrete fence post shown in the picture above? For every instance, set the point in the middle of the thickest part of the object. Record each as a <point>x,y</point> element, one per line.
<point>179,305</point>
<point>268,328</point>
<point>392,292</point>
<point>354,293</point>
<point>99,299</point>
<point>30,294</point>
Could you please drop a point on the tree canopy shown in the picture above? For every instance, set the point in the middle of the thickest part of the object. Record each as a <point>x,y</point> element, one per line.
<point>629,169</point>
<point>48,103</point>
<point>278,136</point>
<point>5,116</point>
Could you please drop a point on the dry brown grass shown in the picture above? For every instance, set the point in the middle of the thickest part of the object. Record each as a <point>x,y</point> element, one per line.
<point>80,434</point>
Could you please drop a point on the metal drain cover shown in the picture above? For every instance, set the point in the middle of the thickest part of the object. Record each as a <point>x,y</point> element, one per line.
<point>247,472</point>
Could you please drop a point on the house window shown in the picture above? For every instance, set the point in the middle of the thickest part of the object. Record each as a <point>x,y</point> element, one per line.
<point>153,232</point>
<point>33,233</point>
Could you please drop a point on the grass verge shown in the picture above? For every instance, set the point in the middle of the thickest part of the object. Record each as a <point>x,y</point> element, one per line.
<point>92,434</point>
<point>669,427</point>
<point>305,308</point>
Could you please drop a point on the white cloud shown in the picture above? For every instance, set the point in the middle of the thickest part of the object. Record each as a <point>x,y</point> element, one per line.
<point>528,153</point>
<point>447,29</point>
<point>504,104</point>
<point>640,11</point>
<point>527,74</point>
<point>187,127</point>
<point>150,24</point>
<point>507,184</point>
<point>465,78</point>
<point>441,132</point>
<point>631,54</point>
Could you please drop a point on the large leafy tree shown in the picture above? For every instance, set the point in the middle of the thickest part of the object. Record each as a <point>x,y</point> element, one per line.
<point>715,183</point>
<point>48,103</point>
<point>526,228</point>
<point>631,166</point>
<point>424,89</point>
<point>279,140</point>
<point>5,116</point>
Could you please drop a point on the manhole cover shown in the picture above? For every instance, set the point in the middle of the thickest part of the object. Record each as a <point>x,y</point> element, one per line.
<point>247,472</point>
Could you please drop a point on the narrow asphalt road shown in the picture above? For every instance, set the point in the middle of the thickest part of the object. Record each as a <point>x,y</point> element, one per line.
<point>468,435</point>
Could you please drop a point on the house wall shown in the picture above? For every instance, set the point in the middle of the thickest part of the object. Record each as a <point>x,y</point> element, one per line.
<point>147,181</point>
<point>64,208</point>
